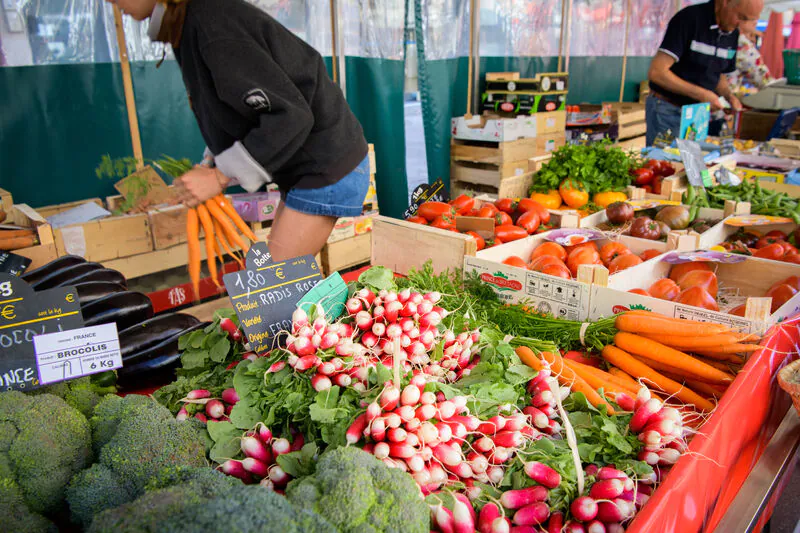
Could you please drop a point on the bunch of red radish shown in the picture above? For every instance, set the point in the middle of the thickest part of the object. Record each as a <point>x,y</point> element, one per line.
<point>261,449</point>
<point>377,329</point>
<point>543,410</point>
<point>659,428</point>
<point>202,406</point>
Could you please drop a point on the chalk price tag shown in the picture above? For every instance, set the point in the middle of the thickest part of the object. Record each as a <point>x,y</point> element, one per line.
<point>13,264</point>
<point>265,294</point>
<point>78,352</point>
<point>435,192</point>
<point>24,314</point>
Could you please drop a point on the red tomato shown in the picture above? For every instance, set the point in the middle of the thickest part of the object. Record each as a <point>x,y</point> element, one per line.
<point>649,254</point>
<point>766,240</point>
<point>478,239</point>
<point>582,358</point>
<point>515,261</point>
<point>463,204</point>
<point>780,294</point>
<point>417,220</point>
<point>526,204</point>
<point>611,250</point>
<point>642,176</point>
<point>559,271</point>
<point>647,188</point>
<point>664,289</point>
<point>444,222</point>
<point>487,211</point>
<point>654,165</point>
<point>508,233</point>
<point>777,234</point>
<point>590,244</point>
<point>679,270</point>
<point>738,310</point>
<point>773,251</point>
<point>698,297</point>
<point>430,210</point>
<point>624,261</point>
<point>529,221</point>
<point>538,263</point>
<point>506,205</point>
<point>493,242</point>
<point>640,291</point>
<point>700,278</point>
<point>582,256</point>
<point>667,169</point>
<point>793,281</point>
<point>502,219</point>
<point>550,248</point>
<point>791,257</point>
<point>656,185</point>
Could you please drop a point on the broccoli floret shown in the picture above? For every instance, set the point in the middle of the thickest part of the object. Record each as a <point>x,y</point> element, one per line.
<point>16,515</point>
<point>82,393</point>
<point>94,490</point>
<point>356,492</point>
<point>202,479</point>
<point>193,506</point>
<point>114,409</point>
<point>44,443</point>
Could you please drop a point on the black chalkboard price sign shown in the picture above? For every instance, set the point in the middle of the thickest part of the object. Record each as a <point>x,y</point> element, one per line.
<point>23,315</point>
<point>265,294</point>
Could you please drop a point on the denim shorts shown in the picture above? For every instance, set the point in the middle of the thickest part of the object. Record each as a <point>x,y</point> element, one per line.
<point>345,198</point>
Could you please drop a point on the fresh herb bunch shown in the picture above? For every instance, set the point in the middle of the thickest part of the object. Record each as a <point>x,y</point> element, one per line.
<point>599,167</point>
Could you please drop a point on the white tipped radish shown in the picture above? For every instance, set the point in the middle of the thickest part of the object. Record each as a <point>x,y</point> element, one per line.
<point>478,462</point>
<point>650,458</point>
<point>321,382</point>
<point>279,365</point>
<point>489,513</point>
<point>234,468</point>
<point>278,476</point>
<point>267,484</point>
<point>353,306</point>
<point>182,415</point>
<point>642,396</point>
<point>198,394</point>
<point>364,320</point>
<point>500,525</point>
<point>447,410</point>
<point>406,412</point>
<point>573,527</point>
<point>327,368</point>
<point>307,362</point>
<point>410,396</point>
<point>422,477</point>
<point>483,445</point>
<point>625,401</point>
<point>389,398</point>
<point>255,467</point>
<point>392,311</point>
<point>495,473</point>
<point>541,398</point>
<point>319,325</point>
<point>342,380</point>
<point>499,455</point>
<point>229,396</point>
<point>607,489</point>
<point>583,508</point>
<point>378,429</point>
<point>427,433</point>
<point>431,319</point>
<point>427,398</point>
<point>373,411</point>
<point>668,456</point>
<point>445,432</point>
<point>379,329</point>
<point>447,455</point>
<point>538,418</point>
<point>608,472</point>
<point>215,409</point>
<point>355,430</point>
<point>595,526</point>
<point>412,439</point>
<point>516,499</point>
<point>329,340</point>
<point>650,438</point>
<point>303,346</point>
<point>291,360</point>
<point>381,450</point>
<point>316,340</point>
<point>299,318</point>
<point>532,515</point>
<point>413,425</point>
<point>281,447</point>
<point>433,297</point>
<point>662,427</point>
<point>409,309</point>
<point>366,295</point>
<point>255,448</point>
<point>515,422</point>
<point>424,308</point>
<point>443,518</point>
<point>463,516</point>
<point>414,333</point>
<point>394,331</point>
<point>542,474</point>
<point>393,420</point>
<point>509,439</point>
<point>643,413</point>
<point>369,339</point>
<point>493,425</point>
<point>401,450</point>
<point>613,511</point>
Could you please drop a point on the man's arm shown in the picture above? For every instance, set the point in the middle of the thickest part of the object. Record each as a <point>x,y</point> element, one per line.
<point>724,89</point>
<point>661,74</point>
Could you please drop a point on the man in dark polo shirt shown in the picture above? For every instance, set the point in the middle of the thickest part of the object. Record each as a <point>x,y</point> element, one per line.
<point>699,46</point>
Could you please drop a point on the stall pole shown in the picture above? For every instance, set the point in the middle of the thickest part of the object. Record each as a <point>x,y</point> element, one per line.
<point>338,34</point>
<point>561,35</point>
<point>568,35</point>
<point>473,68</point>
<point>127,84</point>
<point>334,19</point>
<point>625,50</point>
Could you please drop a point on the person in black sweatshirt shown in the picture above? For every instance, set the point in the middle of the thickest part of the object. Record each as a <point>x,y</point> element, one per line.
<point>269,113</point>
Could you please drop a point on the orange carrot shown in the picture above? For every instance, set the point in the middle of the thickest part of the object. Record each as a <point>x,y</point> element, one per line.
<point>725,366</point>
<point>193,244</point>
<point>224,242</point>
<point>208,229</point>
<point>233,237</point>
<point>656,351</point>
<point>618,384</point>
<point>595,381</point>
<point>729,349</point>
<point>640,323</point>
<point>616,372</point>
<point>626,362</point>
<point>15,243</point>
<point>567,377</point>
<point>710,391</point>
<point>692,343</point>
<point>527,356</point>
<point>231,212</point>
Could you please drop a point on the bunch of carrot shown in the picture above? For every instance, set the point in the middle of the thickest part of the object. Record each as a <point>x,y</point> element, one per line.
<point>649,350</point>
<point>220,222</point>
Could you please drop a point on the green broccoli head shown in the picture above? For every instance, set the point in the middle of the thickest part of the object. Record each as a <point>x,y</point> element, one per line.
<point>92,491</point>
<point>16,515</point>
<point>82,393</point>
<point>147,440</point>
<point>43,443</point>
<point>113,409</point>
<point>358,493</point>
<point>206,500</point>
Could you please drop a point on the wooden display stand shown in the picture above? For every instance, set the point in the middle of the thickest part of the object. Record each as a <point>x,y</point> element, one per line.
<point>45,251</point>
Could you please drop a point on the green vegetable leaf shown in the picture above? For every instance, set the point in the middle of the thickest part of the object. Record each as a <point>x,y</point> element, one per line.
<point>219,351</point>
<point>377,278</point>
<point>193,359</point>
<point>226,441</point>
<point>244,415</point>
<point>193,340</point>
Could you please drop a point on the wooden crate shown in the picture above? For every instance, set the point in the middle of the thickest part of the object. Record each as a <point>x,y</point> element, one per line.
<point>636,143</point>
<point>630,118</point>
<point>787,147</point>
<point>347,253</point>
<point>515,187</point>
<point>494,153</point>
<point>6,200</point>
<point>51,210</point>
<point>168,225</point>
<point>45,251</point>
<point>644,91</point>
<point>535,164</point>
<point>401,246</point>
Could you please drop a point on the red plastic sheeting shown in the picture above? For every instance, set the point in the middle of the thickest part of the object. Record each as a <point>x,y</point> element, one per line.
<point>703,483</point>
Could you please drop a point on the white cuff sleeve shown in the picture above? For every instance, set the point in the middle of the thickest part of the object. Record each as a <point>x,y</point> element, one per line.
<point>237,163</point>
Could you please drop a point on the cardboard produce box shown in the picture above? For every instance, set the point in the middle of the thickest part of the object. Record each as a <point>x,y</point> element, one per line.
<point>741,279</point>
<point>757,223</point>
<point>568,299</point>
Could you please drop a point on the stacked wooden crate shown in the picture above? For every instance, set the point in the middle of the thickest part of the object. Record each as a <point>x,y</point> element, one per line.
<point>631,124</point>
<point>494,159</point>
<point>349,245</point>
